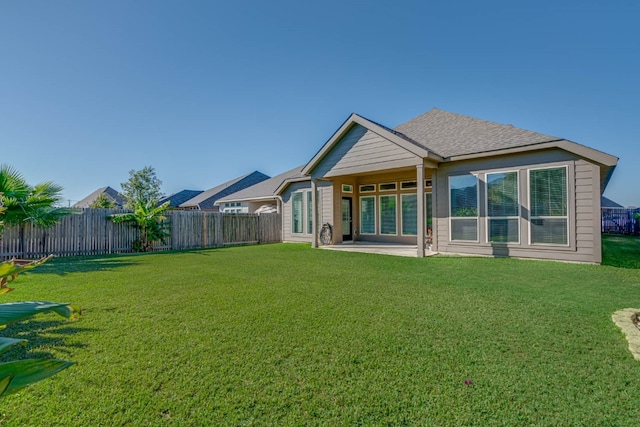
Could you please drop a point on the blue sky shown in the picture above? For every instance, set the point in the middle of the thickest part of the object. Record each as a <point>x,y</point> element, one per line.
<point>206,91</point>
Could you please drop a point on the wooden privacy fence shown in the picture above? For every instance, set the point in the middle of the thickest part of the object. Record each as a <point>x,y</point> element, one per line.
<point>90,232</point>
<point>620,221</point>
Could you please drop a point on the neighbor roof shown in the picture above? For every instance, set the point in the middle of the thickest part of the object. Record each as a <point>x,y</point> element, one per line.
<point>207,198</point>
<point>608,203</point>
<point>266,189</point>
<point>180,197</point>
<point>107,191</point>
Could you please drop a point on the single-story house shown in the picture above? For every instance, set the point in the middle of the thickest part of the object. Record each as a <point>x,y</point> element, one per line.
<point>108,192</point>
<point>465,185</point>
<point>206,200</point>
<point>262,197</point>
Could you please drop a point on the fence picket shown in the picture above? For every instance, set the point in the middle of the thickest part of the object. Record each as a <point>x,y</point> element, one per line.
<point>90,232</point>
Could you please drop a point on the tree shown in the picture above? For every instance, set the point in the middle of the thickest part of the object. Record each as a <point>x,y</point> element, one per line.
<point>143,186</point>
<point>149,219</point>
<point>103,202</point>
<point>25,204</point>
<point>16,374</point>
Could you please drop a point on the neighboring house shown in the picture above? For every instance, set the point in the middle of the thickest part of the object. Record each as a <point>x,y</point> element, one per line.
<point>179,198</point>
<point>468,185</point>
<point>608,203</point>
<point>261,197</point>
<point>109,192</point>
<point>206,200</point>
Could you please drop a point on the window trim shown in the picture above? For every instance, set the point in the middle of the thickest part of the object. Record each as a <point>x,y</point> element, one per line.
<point>349,190</point>
<point>477,217</point>
<point>309,211</point>
<point>387,190</point>
<point>301,193</point>
<point>395,196</point>
<point>375,215</point>
<point>486,207</point>
<point>568,213</point>
<point>367,191</point>
<point>404,185</point>
<point>402,196</point>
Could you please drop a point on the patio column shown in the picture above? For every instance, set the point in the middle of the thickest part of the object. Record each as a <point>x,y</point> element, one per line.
<point>421,216</point>
<point>434,209</point>
<point>314,213</point>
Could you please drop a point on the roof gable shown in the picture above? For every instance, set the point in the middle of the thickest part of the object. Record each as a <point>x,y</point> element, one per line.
<point>398,139</point>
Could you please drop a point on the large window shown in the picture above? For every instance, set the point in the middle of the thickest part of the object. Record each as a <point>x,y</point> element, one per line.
<point>549,206</point>
<point>368,215</point>
<point>409,214</point>
<point>388,214</point>
<point>463,207</point>
<point>428,202</point>
<point>296,217</point>
<point>503,207</point>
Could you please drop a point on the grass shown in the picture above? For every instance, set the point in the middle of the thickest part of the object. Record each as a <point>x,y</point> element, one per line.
<point>286,335</point>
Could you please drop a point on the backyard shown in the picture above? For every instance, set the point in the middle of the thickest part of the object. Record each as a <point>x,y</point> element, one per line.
<point>285,335</point>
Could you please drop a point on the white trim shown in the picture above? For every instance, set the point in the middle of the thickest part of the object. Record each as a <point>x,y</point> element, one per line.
<point>350,191</point>
<point>566,217</point>
<point>395,196</point>
<point>477,217</point>
<point>402,217</point>
<point>414,187</point>
<point>486,206</point>
<point>375,215</point>
<point>293,194</point>
<point>367,191</point>
<point>395,187</point>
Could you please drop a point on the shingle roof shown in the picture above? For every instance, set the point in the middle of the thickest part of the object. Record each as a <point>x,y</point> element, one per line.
<point>180,197</point>
<point>608,203</point>
<point>207,198</point>
<point>107,191</point>
<point>264,189</point>
<point>451,134</point>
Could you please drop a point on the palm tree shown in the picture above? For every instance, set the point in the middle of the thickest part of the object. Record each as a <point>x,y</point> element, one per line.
<point>149,219</point>
<point>25,204</point>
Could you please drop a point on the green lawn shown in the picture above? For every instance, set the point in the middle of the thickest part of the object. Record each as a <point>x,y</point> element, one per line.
<point>286,335</point>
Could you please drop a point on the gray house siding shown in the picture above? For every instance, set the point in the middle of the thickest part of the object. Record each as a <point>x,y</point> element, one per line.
<point>361,150</point>
<point>583,200</point>
<point>325,200</point>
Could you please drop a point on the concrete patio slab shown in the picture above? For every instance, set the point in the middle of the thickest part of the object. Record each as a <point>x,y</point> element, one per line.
<point>378,248</point>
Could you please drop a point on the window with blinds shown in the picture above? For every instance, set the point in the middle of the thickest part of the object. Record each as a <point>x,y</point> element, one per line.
<point>409,214</point>
<point>503,207</point>
<point>368,215</point>
<point>463,207</point>
<point>388,215</point>
<point>548,204</point>
<point>296,214</point>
